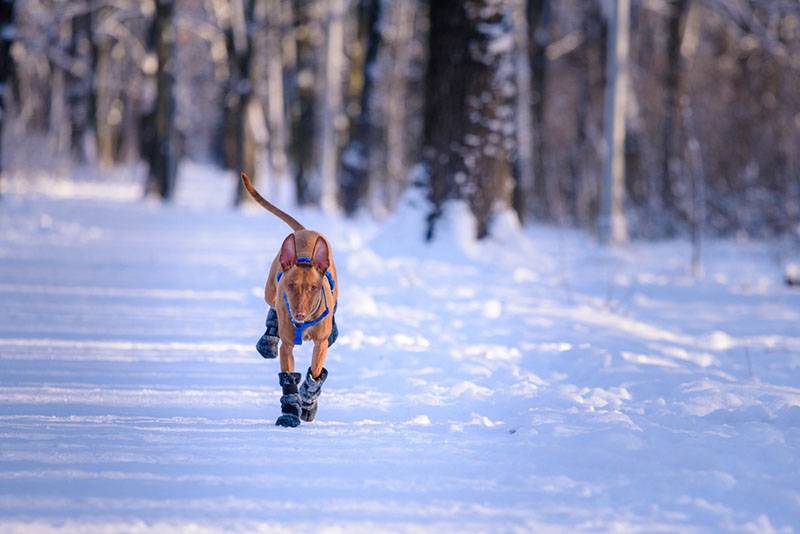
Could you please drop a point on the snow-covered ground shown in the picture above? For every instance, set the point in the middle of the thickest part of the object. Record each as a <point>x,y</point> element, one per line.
<point>532,382</point>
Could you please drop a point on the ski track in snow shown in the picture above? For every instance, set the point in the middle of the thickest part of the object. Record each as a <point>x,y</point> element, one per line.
<point>533,382</point>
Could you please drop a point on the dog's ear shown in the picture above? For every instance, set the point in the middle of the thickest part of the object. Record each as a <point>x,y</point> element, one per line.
<point>288,252</point>
<point>321,256</point>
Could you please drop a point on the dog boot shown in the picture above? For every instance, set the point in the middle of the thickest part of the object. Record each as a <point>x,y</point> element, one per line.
<point>267,346</point>
<point>309,393</point>
<point>290,400</point>
<point>334,333</point>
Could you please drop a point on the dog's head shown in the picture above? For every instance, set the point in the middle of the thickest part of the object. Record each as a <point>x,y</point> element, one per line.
<point>303,281</point>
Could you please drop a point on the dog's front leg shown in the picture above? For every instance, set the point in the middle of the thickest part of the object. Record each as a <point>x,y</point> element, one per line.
<point>290,397</point>
<point>318,357</point>
<point>311,387</point>
<point>287,357</point>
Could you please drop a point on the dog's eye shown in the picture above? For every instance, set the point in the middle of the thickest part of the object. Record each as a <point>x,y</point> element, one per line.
<point>291,286</point>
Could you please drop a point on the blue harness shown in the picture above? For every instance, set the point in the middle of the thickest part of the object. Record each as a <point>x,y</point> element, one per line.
<point>299,327</point>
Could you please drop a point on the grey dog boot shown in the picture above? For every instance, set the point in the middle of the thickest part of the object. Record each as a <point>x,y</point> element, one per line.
<point>290,400</point>
<point>309,393</point>
<point>267,346</point>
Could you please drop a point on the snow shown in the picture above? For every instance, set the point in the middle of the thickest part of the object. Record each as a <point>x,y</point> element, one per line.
<point>531,382</point>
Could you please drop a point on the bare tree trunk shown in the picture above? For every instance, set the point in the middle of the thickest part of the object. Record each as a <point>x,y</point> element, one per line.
<point>163,158</point>
<point>694,157</point>
<point>237,95</point>
<point>665,197</point>
<point>524,161</point>
<point>467,149</point>
<point>80,86</point>
<point>253,129</point>
<point>59,125</point>
<point>129,135</point>
<point>445,97</point>
<point>303,76</point>
<point>592,64</point>
<point>546,192</point>
<point>356,168</point>
<point>7,35</point>
<point>392,178</point>
<point>276,102</point>
<point>612,227</point>
<point>331,100</point>
<point>244,125</point>
<point>693,152</point>
<point>105,127</point>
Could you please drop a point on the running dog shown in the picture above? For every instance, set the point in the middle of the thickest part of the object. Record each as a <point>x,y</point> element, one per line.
<point>302,291</point>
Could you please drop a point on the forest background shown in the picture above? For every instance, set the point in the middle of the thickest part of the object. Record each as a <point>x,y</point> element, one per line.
<point>643,118</point>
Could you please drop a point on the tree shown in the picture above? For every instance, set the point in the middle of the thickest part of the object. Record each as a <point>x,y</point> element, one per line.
<point>612,226</point>
<point>539,14</point>
<point>584,157</point>
<point>331,106</point>
<point>161,150</point>
<point>402,83</point>
<point>7,34</point>
<point>672,94</point>
<point>301,81</point>
<point>81,98</point>
<point>401,106</point>
<point>394,102</point>
<point>469,133</point>
<point>276,106</point>
<point>524,172</point>
<point>244,128</point>
<point>105,98</point>
<point>355,171</point>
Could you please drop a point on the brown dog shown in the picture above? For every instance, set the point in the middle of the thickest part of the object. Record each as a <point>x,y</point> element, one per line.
<point>303,288</point>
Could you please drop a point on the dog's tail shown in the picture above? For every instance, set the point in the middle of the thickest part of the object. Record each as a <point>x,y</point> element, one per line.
<point>279,213</point>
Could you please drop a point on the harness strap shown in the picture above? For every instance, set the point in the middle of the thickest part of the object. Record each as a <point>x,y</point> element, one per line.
<point>299,327</point>
<point>329,276</point>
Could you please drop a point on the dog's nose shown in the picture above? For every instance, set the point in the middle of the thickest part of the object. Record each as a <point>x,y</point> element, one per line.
<point>299,316</point>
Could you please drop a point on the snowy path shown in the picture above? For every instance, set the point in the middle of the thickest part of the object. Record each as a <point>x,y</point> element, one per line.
<point>515,385</point>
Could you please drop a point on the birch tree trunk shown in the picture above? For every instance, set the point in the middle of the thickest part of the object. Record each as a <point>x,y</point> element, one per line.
<point>693,152</point>
<point>612,227</point>
<point>276,102</point>
<point>395,117</point>
<point>58,123</point>
<point>331,100</point>
<point>103,80</point>
<point>252,130</point>
<point>524,163</point>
